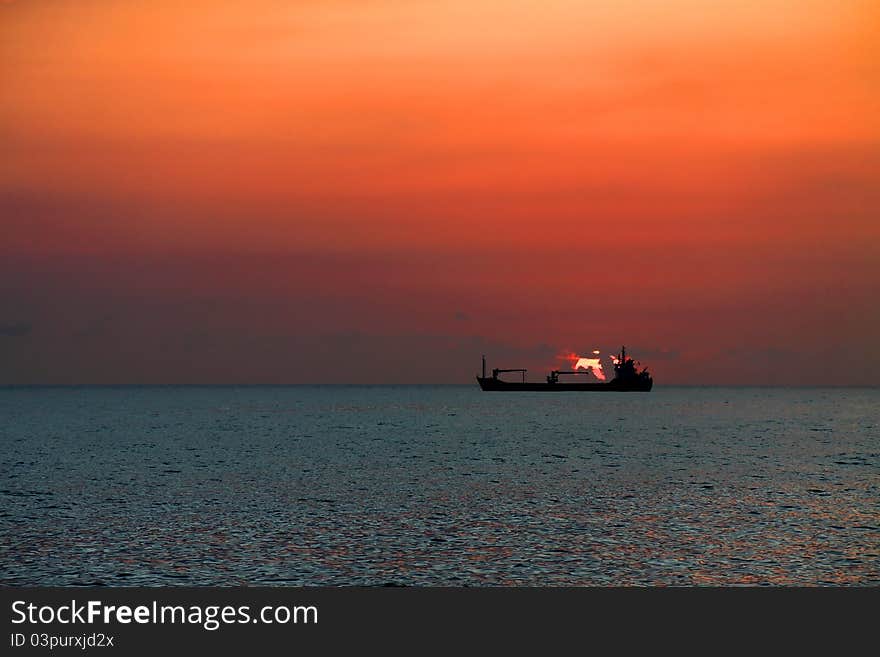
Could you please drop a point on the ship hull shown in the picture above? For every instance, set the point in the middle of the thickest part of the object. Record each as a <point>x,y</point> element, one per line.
<point>497,385</point>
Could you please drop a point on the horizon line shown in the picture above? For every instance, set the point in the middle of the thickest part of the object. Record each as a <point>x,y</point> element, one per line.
<point>398,385</point>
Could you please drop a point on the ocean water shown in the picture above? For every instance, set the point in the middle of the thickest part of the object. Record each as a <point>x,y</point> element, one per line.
<point>438,485</point>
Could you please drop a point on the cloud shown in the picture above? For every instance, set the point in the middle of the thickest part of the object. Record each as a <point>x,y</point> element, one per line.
<point>94,328</point>
<point>15,330</point>
<point>655,353</point>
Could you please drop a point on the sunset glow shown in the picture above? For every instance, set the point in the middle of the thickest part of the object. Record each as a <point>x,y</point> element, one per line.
<point>592,364</point>
<point>266,191</point>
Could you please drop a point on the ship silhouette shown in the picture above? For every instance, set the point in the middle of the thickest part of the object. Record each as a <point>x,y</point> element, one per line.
<point>627,378</point>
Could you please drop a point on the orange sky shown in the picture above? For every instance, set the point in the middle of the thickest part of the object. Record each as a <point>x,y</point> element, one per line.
<point>257,191</point>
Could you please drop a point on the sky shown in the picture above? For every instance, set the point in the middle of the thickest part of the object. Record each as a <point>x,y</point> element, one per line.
<point>381,191</point>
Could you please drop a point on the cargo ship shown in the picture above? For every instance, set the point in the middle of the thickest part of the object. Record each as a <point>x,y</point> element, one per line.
<point>627,378</point>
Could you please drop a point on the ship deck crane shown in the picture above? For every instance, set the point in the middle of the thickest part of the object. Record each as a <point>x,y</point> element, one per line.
<point>497,371</point>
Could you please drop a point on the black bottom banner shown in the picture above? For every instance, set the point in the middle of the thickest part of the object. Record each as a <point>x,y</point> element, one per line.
<point>406,620</point>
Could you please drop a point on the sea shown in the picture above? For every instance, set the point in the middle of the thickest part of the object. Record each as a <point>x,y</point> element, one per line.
<point>438,486</point>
